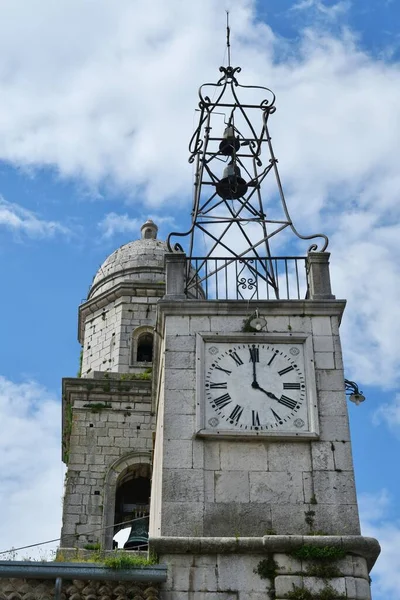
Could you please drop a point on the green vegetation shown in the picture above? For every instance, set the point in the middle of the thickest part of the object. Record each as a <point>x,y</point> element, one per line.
<point>319,553</point>
<point>267,568</point>
<point>68,419</point>
<point>309,518</point>
<point>79,373</point>
<point>328,593</point>
<point>67,430</point>
<point>131,376</point>
<point>92,546</point>
<point>321,564</point>
<point>118,560</point>
<point>96,407</point>
<point>123,560</point>
<point>246,325</point>
<point>322,570</point>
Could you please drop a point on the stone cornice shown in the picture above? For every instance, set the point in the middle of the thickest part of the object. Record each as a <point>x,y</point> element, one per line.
<point>124,273</point>
<point>366,547</point>
<point>245,307</point>
<point>266,308</point>
<point>125,288</point>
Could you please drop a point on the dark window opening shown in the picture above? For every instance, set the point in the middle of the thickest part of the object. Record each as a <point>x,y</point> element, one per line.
<point>145,348</point>
<point>132,501</point>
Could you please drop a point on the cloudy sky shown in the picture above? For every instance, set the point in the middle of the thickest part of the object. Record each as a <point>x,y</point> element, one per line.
<point>97,106</point>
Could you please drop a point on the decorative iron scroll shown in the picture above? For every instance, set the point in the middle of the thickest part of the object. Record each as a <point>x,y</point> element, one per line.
<point>229,214</point>
<point>246,283</point>
<point>247,279</point>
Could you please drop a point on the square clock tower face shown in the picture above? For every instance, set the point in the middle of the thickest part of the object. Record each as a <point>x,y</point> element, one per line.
<point>256,386</point>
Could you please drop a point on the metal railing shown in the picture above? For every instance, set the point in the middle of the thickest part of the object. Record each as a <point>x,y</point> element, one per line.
<point>272,278</point>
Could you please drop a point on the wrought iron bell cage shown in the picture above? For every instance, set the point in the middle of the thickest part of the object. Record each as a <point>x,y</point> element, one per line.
<point>234,167</point>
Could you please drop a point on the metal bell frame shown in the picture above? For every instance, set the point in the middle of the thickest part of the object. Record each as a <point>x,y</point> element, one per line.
<point>233,200</point>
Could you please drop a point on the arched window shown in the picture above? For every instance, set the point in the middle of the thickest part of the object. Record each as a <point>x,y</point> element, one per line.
<point>126,501</point>
<point>145,348</point>
<point>132,500</point>
<point>142,346</point>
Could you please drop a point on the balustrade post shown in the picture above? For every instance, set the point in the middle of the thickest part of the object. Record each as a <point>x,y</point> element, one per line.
<point>175,275</point>
<point>318,277</point>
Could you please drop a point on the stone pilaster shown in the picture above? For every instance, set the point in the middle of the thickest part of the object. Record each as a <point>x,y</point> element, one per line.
<point>319,282</point>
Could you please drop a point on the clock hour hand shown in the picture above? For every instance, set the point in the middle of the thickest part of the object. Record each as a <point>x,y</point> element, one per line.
<point>256,386</point>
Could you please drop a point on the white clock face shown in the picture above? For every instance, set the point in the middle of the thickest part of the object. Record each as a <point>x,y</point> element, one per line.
<point>255,387</point>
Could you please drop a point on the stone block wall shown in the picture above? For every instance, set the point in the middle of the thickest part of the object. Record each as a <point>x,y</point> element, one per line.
<point>264,568</point>
<point>107,331</point>
<point>228,487</point>
<point>107,427</point>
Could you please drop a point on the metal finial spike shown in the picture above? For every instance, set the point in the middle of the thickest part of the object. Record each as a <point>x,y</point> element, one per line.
<point>228,34</point>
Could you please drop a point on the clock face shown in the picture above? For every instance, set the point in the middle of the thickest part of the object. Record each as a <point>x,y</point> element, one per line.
<point>255,387</point>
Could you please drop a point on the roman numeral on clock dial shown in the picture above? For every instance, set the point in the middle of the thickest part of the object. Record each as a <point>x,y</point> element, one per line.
<point>224,370</point>
<point>254,354</point>
<point>289,402</point>
<point>236,358</point>
<point>272,358</point>
<point>278,419</point>
<point>255,419</point>
<point>218,386</point>
<point>284,371</point>
<point>236,413</point>
<point>222,401</point>
<point>291,386</point>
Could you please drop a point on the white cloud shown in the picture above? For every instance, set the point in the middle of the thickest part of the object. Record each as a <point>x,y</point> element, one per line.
<point>330,12</point>
<point>110,97</point>
<point>31,476</point>
<point>113,223</point>
<point>365,269</point>
<point>389,413</point>
<point>374,512</point>
<point>22,221</point>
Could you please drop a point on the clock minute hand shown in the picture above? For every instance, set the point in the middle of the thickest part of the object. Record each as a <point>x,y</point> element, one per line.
<point>253,360</point>
<point>254,374</point>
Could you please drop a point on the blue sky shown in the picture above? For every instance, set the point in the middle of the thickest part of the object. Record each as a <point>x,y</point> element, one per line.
<point>97,108</point>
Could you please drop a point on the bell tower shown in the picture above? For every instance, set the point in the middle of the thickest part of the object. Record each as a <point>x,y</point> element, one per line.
<point>253,492</point>
<point>108,424</point>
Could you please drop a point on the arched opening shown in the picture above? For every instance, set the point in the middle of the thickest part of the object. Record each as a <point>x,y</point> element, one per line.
<point>145,348</point>
<point>132,499</point>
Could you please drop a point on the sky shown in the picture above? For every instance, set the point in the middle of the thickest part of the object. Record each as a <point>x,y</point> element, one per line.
<point>97,107</point>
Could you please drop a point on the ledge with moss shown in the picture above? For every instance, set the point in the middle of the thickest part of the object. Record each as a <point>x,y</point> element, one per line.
<point>365,547</point>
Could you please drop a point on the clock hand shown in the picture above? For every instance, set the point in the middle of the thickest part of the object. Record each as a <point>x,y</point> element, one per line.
<point>253,360</point>
<point>254,374</point>
<point>256,386</point>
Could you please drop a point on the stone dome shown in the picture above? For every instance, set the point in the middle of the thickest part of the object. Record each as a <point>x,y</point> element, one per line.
<point>141,260</point>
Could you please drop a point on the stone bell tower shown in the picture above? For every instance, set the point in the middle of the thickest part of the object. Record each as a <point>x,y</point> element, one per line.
<point>108,422</point>
<point>253,492</point>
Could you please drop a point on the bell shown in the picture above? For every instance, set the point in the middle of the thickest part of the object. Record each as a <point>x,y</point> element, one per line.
<point>139,535</point>
<point>232,185</point>
<point>230,143</point>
